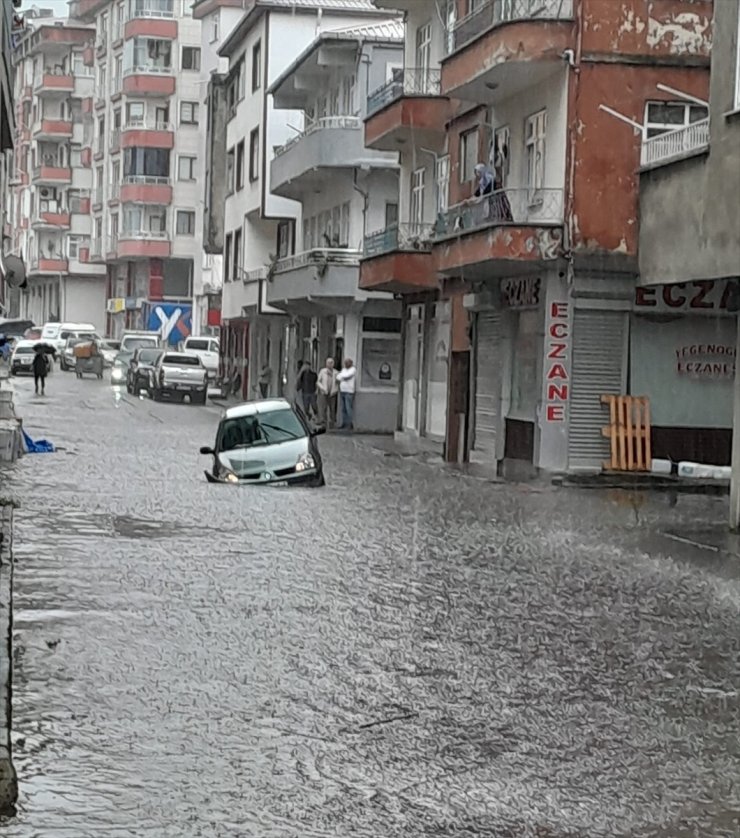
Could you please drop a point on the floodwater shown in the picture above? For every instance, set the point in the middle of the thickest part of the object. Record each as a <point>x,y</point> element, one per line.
<point>404,653</point>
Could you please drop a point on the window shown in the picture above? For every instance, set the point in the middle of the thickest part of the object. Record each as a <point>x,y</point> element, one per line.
<point>227,257</point>
<point>214,26</point>
<point>534,144</point>
<point>468,154</point>
<point>74,244</point>
<point>381,353</point>
<point>348,95</point>
<point>185,223</point>
<point>116,119</point>
<point>500,160</point>
<point>442,178</point>
<point>75,158</point>
<point>423,50</point>
<point>75,200</point>
<point>134,113</point>
<point>417,196</point>
<point>188,113</point>
<point>147,162</point>
<point>230,158</point>
<point>118,25</point>
<point>99,178</point>
<point>237,257</point>
<point>661,117</point>
<point>190,58</point>
<point>118,74</point>
<point>254,155</point>
<point>284,239</point>
<point>391,214</point>
<point>240,164</point>
<point>148,54</point>
<point>257,66</point>
<point>185,168</point>
<point>186,7</point>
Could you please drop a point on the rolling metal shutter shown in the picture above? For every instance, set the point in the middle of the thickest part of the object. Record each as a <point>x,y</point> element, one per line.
<point>598,368</point>
<point>488,384</point>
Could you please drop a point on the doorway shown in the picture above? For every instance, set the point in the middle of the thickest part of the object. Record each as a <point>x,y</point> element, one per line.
<point>413,367</point>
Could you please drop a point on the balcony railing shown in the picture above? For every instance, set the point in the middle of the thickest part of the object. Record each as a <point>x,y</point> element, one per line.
<point>413,81</point>
<point>495,12</point>
<point>146,180</point>
<point>140,123</point>
<point>505,206</point>
<point>148,235</point>
<point>319,256</point>
<point>674,144</point>
<point>247,277</point>
<point>148,69</point>
<point>406,237</point>
<point>152,8</point>
<point>322,124</point>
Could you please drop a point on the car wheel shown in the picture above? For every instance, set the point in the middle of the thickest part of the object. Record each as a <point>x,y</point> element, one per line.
<point>318,481</point>
<point>201,399</point>
<point>157,394</point>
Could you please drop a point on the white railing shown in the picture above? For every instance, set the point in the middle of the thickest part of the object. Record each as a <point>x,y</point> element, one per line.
<point>666,147</point>
<point>139,123</point>
<point>495,12</point>
<point>319,256</point>
<point>148,69</point>
<point>156,235</point>
<point>505,206</point>
<point>152,8</point>
<point>247,277</point>
<point>326,123</point>
<point>146,180</point>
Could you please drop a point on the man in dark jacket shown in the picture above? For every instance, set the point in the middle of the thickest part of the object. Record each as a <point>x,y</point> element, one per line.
<point>40,369</point>
<point>306,387</point>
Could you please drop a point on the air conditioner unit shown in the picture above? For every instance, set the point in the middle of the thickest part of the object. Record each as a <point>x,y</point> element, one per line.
<point>47,192</point>
<point>113,306</point>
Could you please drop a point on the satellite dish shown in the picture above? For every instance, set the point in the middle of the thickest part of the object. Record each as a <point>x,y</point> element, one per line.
<point>14,271</point>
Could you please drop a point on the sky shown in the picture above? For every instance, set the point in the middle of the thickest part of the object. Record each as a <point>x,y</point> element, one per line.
<point>59,6</point>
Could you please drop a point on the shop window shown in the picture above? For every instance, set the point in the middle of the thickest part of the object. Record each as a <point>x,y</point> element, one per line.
<point>468,154</point>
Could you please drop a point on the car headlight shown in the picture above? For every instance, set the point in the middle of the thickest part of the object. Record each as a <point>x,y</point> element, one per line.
<point>116,374</point>
<point>305,462</point>
<point>229,476</point>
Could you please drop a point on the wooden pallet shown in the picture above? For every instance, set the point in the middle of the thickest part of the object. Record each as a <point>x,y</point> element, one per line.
<point>628,433</point>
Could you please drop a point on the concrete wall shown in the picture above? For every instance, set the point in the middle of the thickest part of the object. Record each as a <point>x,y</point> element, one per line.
<point>84,302</point>
<point>690,210</point>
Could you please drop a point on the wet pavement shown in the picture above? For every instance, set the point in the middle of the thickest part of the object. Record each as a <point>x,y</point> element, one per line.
<point>404,653</point>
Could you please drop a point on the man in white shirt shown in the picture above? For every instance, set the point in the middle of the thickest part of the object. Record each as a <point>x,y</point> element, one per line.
<point>347,379</point>
<point>328,389</point>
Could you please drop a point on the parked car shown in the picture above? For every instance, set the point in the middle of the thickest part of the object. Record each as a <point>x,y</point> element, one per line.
<point>132,340</point>
<point>109,350</point>
<point>141,369</point>
<point>15,328</point>
<point>266,442</point>
<point>177,375</point>
<point>21,361</point>
<point>57,333</point>
<point>119,371</point>
<point>206,348</point>
<point>67,356</point>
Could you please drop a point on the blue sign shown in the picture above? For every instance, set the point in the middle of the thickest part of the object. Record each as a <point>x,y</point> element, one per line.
<point>173,321</point>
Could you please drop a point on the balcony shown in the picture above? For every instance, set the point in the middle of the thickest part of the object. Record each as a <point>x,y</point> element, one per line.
<point>149,81</point>
<point>51,175</point>
<point>55,84</point>
<point>152,9</point>
<point>315,282</point>
<point>675,145</point>
<point>147,134</point>
<point>496,234</point>
<point>52,218</point>
<point>146,189</point>
<point>333,142</point>
<point>408,109</point>
<point>48,265</point>
<point>506,44</point>
<point>151,26</point>
<point>53,129</point>
<point>399,260</point>
<point>143,244</point>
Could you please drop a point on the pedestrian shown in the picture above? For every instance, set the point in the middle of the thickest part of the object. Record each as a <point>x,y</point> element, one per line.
<point>347,379</point>
<point>306,388</point>
<point>265,378</point>
<point>328,389</point>
<point>40,369</point>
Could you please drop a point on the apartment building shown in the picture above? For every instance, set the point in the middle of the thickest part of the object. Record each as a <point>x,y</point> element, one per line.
<point>255,225</point>
<point>344,189</point>
<point>690,267</point>
<point>7,133</point>
<point>533,286</point>
<point>143,146</point>
<point>51,202</point>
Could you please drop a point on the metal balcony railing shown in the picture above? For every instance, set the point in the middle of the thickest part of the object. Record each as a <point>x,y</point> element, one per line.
<point>247,277</point>
<point>146,180</point>
<point>505,206</point>
<point>413,81</point>
<point>152,8</point>
<point>148,69</point>
<point>342,256</point>
<point>148,235</point>
<point>495,12</point>
<point>325,123</point>
<point>673,144</point>
<point>405,237</point>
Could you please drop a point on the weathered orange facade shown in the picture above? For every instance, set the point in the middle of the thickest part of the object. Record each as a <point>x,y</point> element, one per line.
<point>410,119</point>
<point>399,273</point>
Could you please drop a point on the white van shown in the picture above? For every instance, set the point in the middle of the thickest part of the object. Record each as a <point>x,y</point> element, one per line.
<point>57,333</point>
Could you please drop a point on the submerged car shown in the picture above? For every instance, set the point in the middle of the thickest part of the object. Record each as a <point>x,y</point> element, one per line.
<point>267,442</point>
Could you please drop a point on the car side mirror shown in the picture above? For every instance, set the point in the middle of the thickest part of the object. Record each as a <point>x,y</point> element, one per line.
<point>318,431</point>
<point>207,450</point>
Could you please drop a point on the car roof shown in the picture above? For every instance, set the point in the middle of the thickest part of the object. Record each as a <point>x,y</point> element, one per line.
<point>180,354</point>
<point>255,407</point>
<point>20,343</point>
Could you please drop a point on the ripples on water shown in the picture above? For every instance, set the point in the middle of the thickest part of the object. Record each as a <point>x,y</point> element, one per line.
<point>398,655</point>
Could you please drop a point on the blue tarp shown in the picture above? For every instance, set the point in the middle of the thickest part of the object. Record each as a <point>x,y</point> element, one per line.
<point>40,446</point>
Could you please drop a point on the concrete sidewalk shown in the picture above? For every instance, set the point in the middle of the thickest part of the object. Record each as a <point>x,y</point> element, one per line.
<point>8,779</point>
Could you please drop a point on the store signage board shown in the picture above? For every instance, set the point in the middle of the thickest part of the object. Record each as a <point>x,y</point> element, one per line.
<point>521,292</point>
<point>703,296</point>
<point>707,361</point>
<point>556,368</point>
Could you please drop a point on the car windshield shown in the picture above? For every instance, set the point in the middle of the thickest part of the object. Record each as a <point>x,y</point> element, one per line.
<point>268,428</point>
<point>148,356</point>
<point>122,359</point>
<point>182,360</point>
<point>137,343</point>
<point>197,345</point>
<point>24,350</point>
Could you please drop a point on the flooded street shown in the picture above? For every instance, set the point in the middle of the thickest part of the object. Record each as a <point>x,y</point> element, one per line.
<point>403,653</point>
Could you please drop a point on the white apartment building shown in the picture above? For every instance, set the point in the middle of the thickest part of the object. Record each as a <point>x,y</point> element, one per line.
<point>344,190</point>
<point>50,216</point>
<point>144,140</point>
<point>260,226</point>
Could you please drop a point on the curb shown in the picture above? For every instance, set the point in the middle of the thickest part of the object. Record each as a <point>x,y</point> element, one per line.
<point>8,777</point>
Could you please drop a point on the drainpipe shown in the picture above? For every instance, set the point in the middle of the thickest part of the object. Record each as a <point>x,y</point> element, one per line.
<point>574,63</point>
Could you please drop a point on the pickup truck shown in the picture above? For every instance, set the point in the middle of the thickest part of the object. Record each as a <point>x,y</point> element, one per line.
<point>206,349</point>
<point>177,375</point>
<point>139,340</point>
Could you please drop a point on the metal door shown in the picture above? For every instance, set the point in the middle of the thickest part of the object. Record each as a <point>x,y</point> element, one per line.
<point>487,433</point>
